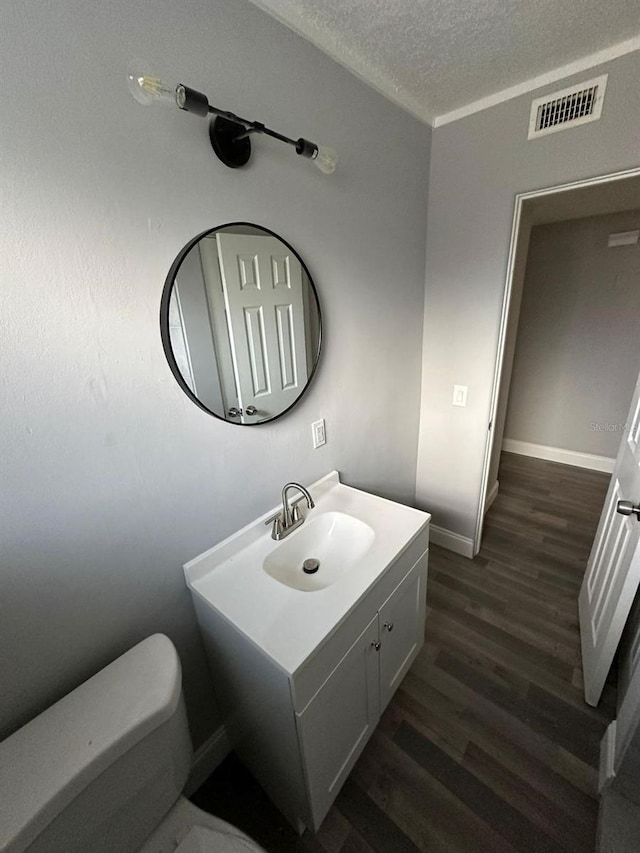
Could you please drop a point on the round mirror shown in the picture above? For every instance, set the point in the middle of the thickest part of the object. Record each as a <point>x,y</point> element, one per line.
<point>240,323</point>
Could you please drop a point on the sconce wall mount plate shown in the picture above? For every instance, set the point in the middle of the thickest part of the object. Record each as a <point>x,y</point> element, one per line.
<point>230,142</point>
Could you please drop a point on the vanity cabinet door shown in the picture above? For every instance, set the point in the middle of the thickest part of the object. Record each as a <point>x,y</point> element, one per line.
<point>401,629</point>
<point>335,726</point>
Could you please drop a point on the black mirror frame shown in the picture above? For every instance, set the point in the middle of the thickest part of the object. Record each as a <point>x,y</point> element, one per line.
<point>164,321</point>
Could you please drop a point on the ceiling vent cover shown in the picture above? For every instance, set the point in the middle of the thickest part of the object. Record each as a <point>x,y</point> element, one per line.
<point>569,107</point>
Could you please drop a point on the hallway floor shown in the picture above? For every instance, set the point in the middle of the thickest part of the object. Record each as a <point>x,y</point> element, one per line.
<point>488,744</point>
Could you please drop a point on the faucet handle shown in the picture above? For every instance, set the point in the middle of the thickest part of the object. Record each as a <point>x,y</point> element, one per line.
<point>276,531</point>
<point>295,513</point>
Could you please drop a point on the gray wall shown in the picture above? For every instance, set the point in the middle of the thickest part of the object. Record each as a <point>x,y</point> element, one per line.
<point>111,478</point>
<point>478,164</point>
<point>578,349</point>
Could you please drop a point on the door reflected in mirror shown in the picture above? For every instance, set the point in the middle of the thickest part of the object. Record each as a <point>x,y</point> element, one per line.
<point>240,323</point>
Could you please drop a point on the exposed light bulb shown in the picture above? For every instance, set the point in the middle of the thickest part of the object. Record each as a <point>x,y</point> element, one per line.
<point>148,89</point>
<point>326,159</point>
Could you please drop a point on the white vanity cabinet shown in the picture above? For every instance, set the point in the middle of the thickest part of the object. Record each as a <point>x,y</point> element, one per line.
<point>301,732</point>
<point>401,622</point>
<point>335,726</point>
<point>302,673</point>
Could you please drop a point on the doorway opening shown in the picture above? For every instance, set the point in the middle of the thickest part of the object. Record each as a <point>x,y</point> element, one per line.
<point>608,194</point>
<point>568,360</point>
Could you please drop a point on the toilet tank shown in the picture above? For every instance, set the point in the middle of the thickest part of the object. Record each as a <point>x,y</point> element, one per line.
<point>98,770</point>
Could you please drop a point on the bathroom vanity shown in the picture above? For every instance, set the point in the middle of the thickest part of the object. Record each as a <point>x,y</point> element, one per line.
<point>304,665</point>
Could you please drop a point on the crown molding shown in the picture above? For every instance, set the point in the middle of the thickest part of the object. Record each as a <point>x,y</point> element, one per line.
<point>577,67</point>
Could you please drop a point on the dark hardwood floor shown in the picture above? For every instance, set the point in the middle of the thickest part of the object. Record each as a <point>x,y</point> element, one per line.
<point>488,744</point>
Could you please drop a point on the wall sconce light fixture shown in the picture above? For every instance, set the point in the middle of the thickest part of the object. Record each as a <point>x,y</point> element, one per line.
<point>230,134</point>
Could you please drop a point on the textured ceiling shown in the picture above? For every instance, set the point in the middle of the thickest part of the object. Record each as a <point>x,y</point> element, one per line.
<point>436,56</point>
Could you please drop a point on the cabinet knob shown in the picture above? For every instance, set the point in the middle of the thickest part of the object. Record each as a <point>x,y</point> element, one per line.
<point>389,626</point>
<point>376,645</point>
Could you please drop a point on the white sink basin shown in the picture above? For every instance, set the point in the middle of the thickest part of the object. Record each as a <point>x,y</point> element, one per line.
<point>257,585</point>
<point>336,540</point>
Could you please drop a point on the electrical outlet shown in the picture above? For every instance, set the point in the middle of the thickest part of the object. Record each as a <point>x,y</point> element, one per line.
<point>459,395</point>
<point>319,433</point>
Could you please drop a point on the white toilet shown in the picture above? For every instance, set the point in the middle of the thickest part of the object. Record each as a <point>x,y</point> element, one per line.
<point>102,770</point>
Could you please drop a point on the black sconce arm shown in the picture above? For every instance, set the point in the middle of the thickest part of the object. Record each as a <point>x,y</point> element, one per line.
<point>229,133</point>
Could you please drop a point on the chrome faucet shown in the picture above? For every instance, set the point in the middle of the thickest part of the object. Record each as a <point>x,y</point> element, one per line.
<point>286,522</point>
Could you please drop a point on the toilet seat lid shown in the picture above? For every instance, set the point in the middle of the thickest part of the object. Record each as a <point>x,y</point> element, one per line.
<point>201,839</point>
<point>52,759</point>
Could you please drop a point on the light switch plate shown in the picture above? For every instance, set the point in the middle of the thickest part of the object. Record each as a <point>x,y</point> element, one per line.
<point>459,395</point>
<point>319,433</point>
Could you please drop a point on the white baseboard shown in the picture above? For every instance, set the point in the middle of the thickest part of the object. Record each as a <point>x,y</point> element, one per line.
<point>451,541</point>
<point>491,496</point>
<point>559,454</point>
<point>206,758</point>
<point>607,756</point>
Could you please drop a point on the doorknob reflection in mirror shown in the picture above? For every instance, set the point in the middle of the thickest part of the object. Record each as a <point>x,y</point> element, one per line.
<point>628,508</point>
<point>235,412</point>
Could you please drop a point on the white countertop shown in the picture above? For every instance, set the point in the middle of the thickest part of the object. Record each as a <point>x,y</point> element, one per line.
<point>286,623</point>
